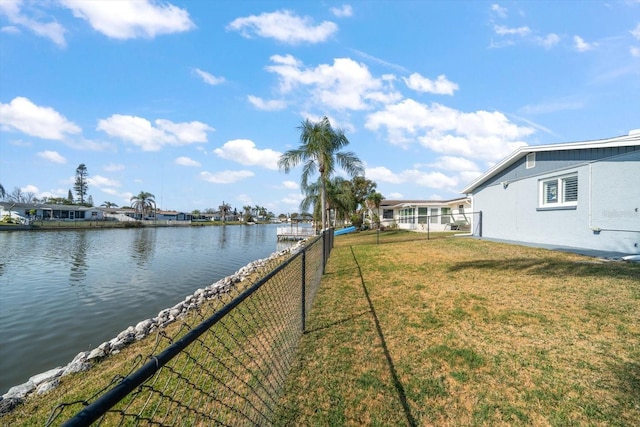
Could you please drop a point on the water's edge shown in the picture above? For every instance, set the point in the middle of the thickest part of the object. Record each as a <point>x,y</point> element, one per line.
<point>83,361</point>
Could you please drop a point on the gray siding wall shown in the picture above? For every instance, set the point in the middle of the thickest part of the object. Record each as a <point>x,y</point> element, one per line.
<point>549,161</point>
<point>608,199</point>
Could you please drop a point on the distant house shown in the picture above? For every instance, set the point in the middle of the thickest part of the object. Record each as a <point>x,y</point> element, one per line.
<point>43,211</point>
<point>426,215</point>
<point>172,216</point>
<point>583,195</point>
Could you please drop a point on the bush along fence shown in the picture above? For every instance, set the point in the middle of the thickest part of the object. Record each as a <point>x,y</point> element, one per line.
<point>229,368</point>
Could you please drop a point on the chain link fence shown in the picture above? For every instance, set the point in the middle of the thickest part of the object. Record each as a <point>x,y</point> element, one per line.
<point>428,227</point>
<point>223,364</point>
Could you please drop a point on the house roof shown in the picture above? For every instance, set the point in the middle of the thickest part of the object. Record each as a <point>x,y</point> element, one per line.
<point>633,138</point>
<point>400,203</point>
<point>47,206</point>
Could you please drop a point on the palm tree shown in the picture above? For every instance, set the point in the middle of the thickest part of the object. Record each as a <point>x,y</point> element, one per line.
<point>247,213</point>
<point>108,205</point>
<point>224,208</point>
<point>373,200</point>
<point>319,150</point>
<point>338,195</point>
<point>143,202</point>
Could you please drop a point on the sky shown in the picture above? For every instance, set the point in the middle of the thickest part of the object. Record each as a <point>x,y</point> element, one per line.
<point>195,101</point>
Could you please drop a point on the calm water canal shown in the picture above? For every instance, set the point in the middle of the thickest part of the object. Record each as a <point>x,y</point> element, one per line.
<point>62,292</point>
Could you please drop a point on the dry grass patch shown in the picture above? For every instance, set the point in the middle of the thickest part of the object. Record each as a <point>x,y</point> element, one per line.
<point>477,333</point>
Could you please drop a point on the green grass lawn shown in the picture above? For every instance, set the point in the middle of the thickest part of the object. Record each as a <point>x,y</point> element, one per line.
<point>458,331</point>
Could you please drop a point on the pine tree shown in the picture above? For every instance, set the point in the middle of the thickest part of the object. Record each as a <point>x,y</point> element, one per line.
<point>80,185</point>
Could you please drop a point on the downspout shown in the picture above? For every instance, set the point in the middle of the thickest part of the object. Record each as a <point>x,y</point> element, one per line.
<point>590,198</point>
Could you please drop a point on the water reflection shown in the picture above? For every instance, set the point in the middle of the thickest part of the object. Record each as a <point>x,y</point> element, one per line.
<point>78,252</point>
<point>144,245</point>
<point>222,237</point>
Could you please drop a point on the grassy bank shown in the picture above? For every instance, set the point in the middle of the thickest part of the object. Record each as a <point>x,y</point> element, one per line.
<point>467,332</point>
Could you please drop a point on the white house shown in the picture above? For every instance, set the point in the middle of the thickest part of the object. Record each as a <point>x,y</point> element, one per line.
<point>45,211</point>
<point>583,195</point>
<point>427,215</point>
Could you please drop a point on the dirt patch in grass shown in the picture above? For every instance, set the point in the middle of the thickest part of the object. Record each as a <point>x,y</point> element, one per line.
<point>476,333</point>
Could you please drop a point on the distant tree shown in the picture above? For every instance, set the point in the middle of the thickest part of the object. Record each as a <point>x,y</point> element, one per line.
<point>2,192</point>
<point>247,213</point>
<point>143,203</point>
<point>57,201</point>
<point>109,205</point>
<point>81,186</point>
<point>17,195</point>
<point>195,214</point>
<point>70,197</point>
<point>225,209</point>
<point>361,189</point>
<point>320,151</point>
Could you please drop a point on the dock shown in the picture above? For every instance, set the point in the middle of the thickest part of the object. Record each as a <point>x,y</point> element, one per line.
<point>295,233</point>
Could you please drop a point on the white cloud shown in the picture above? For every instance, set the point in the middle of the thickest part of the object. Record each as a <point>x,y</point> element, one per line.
<point>481,134</point>
<point>342,12</point>
<point>553,106</point>
<point>43,122</point>
<point>345,85</point>
<point>113,167</point>
<point>271,105</point>
<point>141,132</point>
<point>636,32</point>
<point>634,51</point>
<point>581,45</point>
<point>186,161</point>
<point>209,79</point>
<point>293,199</point>
<point>290,185</point>
<point>424,179</point>
<point>502,30</point>
<point>499,10</point>
<point>283,26</point>
<point>395,196</point>
<point>131,19</point>
<point>52,156</point>
<point>441,86</point>
<point>101,181</point>
<point>225,177</point>
<point>10,29</point>
<point>549,41</point>
<point>245,152</point>
<point>456,164</point>
<point>51,30</point>
<point>382,174</point>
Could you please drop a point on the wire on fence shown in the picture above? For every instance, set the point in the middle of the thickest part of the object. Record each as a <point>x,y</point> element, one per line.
<point>225,364</point>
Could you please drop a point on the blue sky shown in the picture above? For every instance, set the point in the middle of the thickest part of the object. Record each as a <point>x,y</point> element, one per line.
<point>194,101</point>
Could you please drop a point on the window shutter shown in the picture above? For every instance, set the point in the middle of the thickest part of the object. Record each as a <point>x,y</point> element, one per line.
<point>570,185</point>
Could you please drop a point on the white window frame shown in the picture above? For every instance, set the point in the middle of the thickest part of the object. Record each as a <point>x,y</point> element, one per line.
<point>561,184</point>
